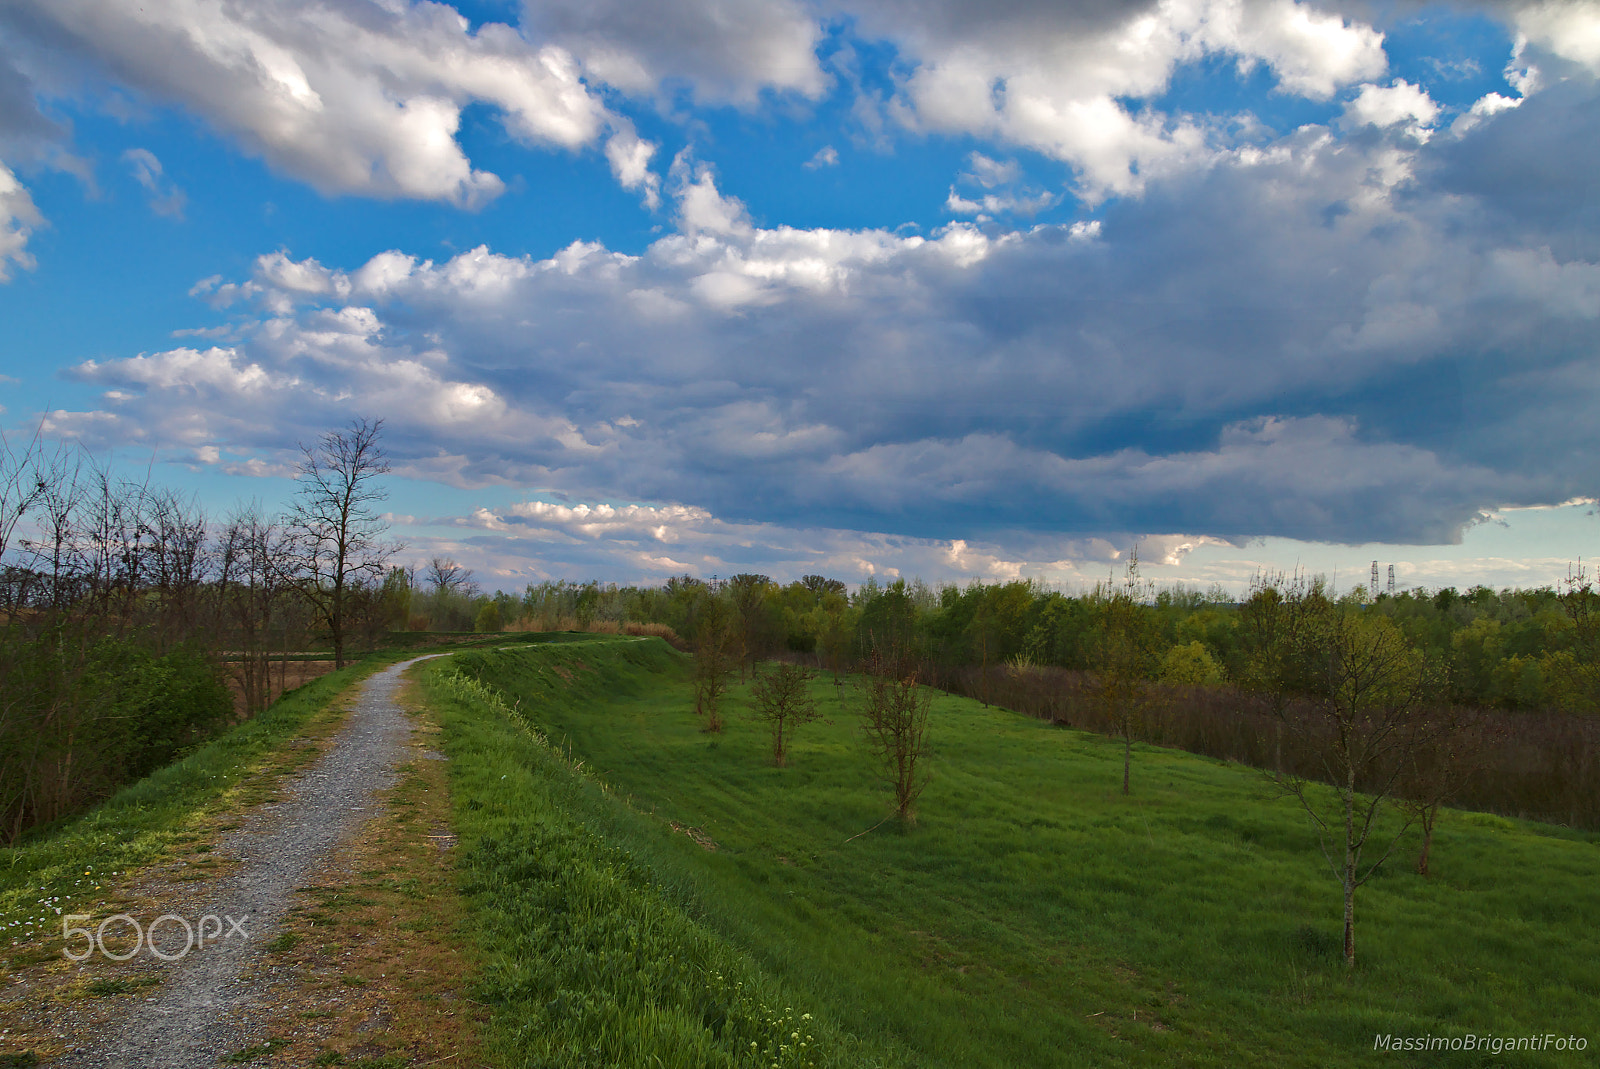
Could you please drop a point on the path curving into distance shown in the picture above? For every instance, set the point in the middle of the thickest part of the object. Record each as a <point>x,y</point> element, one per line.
<point>200,1013</point>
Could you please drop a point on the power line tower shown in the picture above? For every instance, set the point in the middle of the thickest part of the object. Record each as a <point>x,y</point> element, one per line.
<point>1391,580</point>
<point>1373,590</point>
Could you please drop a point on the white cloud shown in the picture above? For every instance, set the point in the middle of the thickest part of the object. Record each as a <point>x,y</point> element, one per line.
<point>1482,108</point>
<point>1401,104</point>
<point>1315,53</point>
<point>726,50</point>
<point>534,540</point>
<point>1052,78</point>
<point>353,98</point>
<point>990,204</point>
<point>701,208</point>
<point>629,156</point>
<point>18,218</point>
<point>993,176</point>
<point>990,173</point>
<point>826,156</point>
<point>1569,28</point>
<point>166,198</point>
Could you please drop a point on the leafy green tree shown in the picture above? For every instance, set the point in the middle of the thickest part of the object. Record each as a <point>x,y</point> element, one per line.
<point>1190,664</point>
<point>395,599</point>
<point>488,619</point>
<point>755,607</point>
<point>1279,626</point>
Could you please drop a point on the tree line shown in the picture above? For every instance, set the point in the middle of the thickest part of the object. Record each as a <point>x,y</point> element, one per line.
<point>1518,650</point>
<point>125,611</point>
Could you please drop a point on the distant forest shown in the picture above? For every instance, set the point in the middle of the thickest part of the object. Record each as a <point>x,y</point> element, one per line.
<point>1507,649</point>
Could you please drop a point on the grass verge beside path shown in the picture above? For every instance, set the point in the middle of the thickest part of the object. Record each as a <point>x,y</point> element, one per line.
<point>59,865</point>
<point>374,956</point>
<point>1034,916</point>
<point>591,955</point>
<point>58,869</point>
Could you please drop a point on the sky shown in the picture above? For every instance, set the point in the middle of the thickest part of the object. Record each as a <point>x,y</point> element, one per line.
<point>870,287</point>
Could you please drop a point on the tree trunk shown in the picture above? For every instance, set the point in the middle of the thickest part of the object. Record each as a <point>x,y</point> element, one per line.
<point>1350,871</point>
<point>336,623</point>
<point>1127,757</point>
<point>1428,816</point>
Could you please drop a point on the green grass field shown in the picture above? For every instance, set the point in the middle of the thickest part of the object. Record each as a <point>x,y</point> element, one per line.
<point>1032,917</point>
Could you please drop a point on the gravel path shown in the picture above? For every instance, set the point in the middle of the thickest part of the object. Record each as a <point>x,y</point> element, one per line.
<point>201,1011</point>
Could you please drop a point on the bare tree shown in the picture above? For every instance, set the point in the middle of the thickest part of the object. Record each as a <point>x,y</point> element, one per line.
<point>54,554</point>
<point>782,697</point>
<point>448,577</point>
<point>895,713</point>
<point>1450,754</point>
<point>339,538</point>
<point>256,558</point>
<point>112,544</point>
<point>180,562</point>
<point>21,483</point>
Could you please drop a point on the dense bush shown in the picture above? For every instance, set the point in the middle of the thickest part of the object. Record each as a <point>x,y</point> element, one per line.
<point>82,716</point>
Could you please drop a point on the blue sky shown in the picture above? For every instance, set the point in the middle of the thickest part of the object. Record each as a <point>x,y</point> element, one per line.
<point>936,289</point>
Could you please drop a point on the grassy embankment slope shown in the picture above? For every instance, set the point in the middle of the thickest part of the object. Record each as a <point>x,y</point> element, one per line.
<point>1033,917</point>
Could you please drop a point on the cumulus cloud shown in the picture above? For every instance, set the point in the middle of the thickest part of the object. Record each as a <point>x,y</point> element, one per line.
<point>1000,191</point>
<point>1568,28</point>
<point>989,204</point>
<point>990,173</point>
<point>1322,337</point>
<point>18,218</point>
<point>1400,104</point>
<point>352,98</point>
<point>367,97</point>
<point>1055,78</point>
<point>629,156</point>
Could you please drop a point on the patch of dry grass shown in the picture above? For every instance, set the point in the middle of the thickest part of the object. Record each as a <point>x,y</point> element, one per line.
<point>378,967</point>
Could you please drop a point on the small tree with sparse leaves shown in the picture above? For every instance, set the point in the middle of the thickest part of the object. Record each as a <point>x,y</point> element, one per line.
<point>895,714</point>
<point>782,697</point>
<point>717,655</point>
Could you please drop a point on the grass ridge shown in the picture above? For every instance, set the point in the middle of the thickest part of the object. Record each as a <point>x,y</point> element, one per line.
<point>592,954</point>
